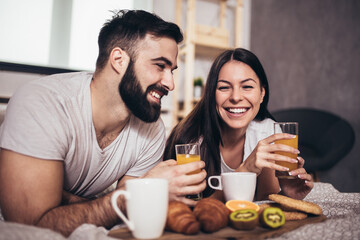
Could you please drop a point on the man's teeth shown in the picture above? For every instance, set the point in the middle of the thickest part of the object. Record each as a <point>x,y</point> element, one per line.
<point>237,110</point>
<point>155,94</point>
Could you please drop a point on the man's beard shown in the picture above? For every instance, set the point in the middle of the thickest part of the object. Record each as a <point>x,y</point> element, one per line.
<point>135,99</point>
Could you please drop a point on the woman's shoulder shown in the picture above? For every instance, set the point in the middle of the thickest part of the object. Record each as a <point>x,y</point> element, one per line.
<point>260,129</point>
<point>263,124</point>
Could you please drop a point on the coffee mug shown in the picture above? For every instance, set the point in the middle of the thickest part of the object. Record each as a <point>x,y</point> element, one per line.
<point>146,204</point>
<point>236,185</point>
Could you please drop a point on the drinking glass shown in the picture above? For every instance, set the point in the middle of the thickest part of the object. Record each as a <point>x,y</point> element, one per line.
<point>291,128</point>
<point>186,153</point>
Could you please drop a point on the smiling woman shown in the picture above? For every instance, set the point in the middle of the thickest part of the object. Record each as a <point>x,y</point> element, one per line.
<point>238,99</point>
<point>235,129</point>
<point>56,33</point>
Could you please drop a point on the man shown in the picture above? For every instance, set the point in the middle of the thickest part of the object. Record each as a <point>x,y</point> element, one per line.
<point>68,137</point>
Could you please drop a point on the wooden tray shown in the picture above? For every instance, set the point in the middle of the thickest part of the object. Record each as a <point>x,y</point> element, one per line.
<point>228,232</point>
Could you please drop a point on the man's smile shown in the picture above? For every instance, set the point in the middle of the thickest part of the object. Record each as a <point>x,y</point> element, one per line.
<point>157,93</point>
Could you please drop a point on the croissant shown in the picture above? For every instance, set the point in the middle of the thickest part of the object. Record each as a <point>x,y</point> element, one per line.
<point>212,214</point>
<point>181,219</point>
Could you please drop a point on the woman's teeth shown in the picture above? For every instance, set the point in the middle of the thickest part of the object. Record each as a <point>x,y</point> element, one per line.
<point>237,110</point>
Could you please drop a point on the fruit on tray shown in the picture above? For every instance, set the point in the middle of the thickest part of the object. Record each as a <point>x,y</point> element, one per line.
<point>290,214</point>
<point>244,219</point>
<point>272,217</point>
<point>234,205</point>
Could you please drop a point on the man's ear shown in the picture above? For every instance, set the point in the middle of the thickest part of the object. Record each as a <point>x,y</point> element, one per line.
<point>119,60</point>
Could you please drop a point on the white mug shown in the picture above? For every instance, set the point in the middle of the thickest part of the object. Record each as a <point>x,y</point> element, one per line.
<point>146,204</point>
<point>236,185</point>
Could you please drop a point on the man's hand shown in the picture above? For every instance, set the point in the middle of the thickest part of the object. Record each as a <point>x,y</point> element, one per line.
<point>180,184</point>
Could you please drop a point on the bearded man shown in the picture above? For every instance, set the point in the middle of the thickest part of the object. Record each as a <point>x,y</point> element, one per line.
<point>68,137</point>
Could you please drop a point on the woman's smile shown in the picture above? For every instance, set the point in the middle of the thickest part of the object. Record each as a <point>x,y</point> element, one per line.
<point>238,94</point>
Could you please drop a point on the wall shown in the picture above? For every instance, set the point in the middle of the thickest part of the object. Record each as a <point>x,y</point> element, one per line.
<point>311,54</point>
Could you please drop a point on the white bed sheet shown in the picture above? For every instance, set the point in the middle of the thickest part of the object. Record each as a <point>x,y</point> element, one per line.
<point>15,231</point>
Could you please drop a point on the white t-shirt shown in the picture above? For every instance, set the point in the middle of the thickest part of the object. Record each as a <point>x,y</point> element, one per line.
<point>51,118</point>
<point>256,131</point>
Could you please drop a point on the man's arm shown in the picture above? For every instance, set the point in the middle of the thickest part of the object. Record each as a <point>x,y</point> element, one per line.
<point>68,198</point>
<point>29,187</point>
<point>121,183</point>
<point>31,193</point>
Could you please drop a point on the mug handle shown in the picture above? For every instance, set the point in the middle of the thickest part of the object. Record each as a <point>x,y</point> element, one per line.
<point>114,198</point>
<point>219,187</point>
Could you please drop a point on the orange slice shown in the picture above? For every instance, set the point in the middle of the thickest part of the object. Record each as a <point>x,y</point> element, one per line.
<point>234,205</point>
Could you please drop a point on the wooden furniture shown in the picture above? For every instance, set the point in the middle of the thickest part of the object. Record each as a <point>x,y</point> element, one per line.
<point>200,39</point>
<point>228,232</point>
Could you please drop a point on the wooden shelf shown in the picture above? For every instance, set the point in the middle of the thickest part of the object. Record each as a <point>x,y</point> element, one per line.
<point>204,49</point>
<point>211,36</point>
<point>200,40</point>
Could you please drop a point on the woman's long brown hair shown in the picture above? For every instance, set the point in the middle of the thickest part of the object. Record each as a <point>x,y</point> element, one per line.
<point>204,122</point>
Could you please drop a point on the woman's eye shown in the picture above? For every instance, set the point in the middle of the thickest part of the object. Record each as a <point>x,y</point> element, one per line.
<point>248,87</point>
<point>223,88</point>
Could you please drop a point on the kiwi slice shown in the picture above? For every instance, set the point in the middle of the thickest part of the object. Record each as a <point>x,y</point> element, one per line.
<point>272,217</point>
<point>244,219</point>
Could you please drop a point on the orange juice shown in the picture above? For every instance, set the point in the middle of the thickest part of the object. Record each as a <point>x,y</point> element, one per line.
<point>292,143</point>
<point>187,153</point>
<point>188,158</point>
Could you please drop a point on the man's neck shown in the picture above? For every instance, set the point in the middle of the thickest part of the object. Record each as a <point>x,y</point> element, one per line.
<point>109,112</point>
<point>105,138</point>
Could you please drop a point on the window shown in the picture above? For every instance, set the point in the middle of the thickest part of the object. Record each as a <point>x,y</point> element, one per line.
<point>56,33</point>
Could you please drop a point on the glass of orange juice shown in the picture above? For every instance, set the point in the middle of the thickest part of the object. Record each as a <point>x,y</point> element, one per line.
<point>186,153</point>
<point>291,128</point>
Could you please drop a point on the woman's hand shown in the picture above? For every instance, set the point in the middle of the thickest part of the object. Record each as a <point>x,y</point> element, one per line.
<point>263,156</point>
<point>300,187</point>
<point>180,184</point>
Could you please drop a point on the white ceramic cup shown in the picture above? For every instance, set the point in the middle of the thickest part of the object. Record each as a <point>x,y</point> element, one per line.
<point>146,204</point>
<point>236,185</point>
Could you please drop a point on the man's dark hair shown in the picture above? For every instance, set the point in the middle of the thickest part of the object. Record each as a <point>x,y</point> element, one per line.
<point>127,27</point>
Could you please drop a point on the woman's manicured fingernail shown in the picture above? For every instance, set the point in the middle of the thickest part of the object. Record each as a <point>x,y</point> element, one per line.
<point>294,160</point>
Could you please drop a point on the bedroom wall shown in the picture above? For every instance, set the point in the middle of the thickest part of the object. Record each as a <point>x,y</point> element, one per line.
<point>312,48</point>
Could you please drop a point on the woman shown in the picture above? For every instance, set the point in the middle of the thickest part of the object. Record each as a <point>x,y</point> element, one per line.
<point>235,129</point>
